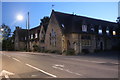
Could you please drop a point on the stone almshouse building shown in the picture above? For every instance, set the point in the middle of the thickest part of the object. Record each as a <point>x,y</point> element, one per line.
<point>69,31</point>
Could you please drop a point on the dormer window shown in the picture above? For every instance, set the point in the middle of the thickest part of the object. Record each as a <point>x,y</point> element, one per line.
<point>84,28</point>
<point>92,28</point>
<point>100,30</point>
<point>63,25</point>
<point>114,32</point>
<point>107,31</point>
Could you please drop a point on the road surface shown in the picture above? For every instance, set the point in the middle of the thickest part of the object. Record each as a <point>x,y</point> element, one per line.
<point>44,65</point>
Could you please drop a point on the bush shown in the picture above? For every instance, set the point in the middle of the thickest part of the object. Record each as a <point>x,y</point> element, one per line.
<point>85,51</point>
<point>35,48</point>
<point>55,51</point>
<point>46,51</point>
<point>69,52</point>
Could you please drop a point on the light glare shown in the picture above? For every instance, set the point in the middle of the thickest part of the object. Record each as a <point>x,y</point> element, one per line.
<point>20,17</point>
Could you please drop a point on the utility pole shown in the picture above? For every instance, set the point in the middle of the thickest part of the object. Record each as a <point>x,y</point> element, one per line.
<point>28,45</point>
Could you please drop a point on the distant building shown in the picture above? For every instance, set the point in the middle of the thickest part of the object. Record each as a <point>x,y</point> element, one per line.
<point>36,38</point>
<point>20,39</point>
<point>68,31</point>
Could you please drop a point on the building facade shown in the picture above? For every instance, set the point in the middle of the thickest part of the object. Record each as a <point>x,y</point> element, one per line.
<point>69,31</point>
<point>20,42</point>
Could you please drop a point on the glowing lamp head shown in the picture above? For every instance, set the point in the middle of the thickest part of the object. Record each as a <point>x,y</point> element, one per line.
<point>20,17</point>
<point>2,29</point>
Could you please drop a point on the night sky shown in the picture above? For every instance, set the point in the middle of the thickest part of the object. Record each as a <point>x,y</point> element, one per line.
<point>100,10</point>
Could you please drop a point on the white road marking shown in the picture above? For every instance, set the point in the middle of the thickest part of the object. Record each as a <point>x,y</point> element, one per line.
<point>6,74</point>
<point>41,70</point>
<point>33,75</point>
<point>7,77</point>
<point>57,67</point>
<point>16,59</point>
<point>61,67</point>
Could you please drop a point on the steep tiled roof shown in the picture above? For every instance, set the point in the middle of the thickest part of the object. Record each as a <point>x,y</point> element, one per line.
<point>72,23</point>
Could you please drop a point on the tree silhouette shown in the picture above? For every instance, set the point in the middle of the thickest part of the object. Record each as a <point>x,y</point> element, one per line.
<point>6,31</point>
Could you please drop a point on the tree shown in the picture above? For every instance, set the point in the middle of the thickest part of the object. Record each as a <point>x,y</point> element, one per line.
<point>8,44</point>
<point>7,41</point>
<point>45,21</point>
<point>6,31</point>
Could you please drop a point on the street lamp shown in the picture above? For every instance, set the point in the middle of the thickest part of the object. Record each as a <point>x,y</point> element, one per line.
<point>1,29</point>
<point>20,17</point>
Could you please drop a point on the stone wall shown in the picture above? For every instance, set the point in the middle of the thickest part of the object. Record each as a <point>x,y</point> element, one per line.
<point>53,25</point>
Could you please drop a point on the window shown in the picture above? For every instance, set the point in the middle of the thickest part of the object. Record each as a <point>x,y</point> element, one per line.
<point>100,30</point>
<point>86,40</point>
<point>84,28</point>
<point>53,38</point>
<point>92,28</point>
<point>107,31</point>
<point>50,38</point>
<point>31,36</point>
<point>36,35</point>
<point>114,32</point>
<point>63,25</point>
<point>25,38</point>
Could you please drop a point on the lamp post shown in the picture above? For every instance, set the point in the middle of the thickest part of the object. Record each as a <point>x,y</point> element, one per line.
<point>28,27</point>
<point>20,17</point>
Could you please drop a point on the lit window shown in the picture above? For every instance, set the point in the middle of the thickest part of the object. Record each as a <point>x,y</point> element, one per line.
<point>100,31</point>
<point>107,30</point>
<point>84,28</point>
<point>114,32</point>
<point>36,35</point>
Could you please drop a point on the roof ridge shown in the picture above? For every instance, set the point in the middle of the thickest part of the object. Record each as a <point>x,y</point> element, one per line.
<point>85,17</point>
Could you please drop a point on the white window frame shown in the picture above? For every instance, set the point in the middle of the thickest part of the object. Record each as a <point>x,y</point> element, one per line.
<point>107,31</point>
<point>31,36</point>
<point>36,35</point>
<point>63,25</point>
<point>84,28</point>
<point>100,30</point>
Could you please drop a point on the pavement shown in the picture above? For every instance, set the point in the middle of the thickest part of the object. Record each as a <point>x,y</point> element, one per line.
<point>43,65</point>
